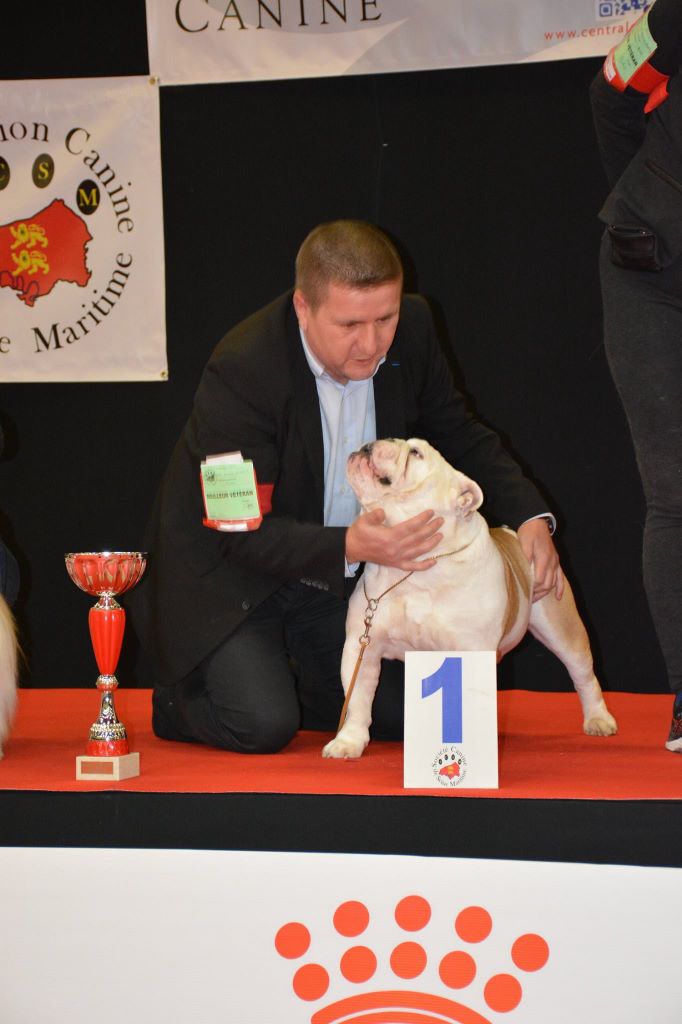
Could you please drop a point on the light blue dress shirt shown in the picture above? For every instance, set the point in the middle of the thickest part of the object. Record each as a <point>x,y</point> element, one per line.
<point>348,421</point>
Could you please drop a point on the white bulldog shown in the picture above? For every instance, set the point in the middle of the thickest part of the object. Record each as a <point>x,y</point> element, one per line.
<point>476,598</point>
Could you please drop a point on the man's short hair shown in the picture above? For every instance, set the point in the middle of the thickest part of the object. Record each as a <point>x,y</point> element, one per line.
<point>346,252</point>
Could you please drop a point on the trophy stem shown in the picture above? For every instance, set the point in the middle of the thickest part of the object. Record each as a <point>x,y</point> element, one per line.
<point>107,623</point>
<point>107,735</point>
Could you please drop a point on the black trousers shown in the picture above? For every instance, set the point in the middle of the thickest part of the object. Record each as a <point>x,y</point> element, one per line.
<point>280,671</point>
<point>643,339</point>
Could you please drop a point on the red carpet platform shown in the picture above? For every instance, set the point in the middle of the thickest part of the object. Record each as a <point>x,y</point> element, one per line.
<point>543,754</point>
<point>562,797</point>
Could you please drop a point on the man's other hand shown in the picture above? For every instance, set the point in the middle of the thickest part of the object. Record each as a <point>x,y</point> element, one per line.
<point>538,547</point>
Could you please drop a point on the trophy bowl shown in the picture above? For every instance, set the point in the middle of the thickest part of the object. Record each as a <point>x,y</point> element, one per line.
<point>104,574</point>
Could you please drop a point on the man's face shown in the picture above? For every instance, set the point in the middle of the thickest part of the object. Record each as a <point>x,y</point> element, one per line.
<point>352,329</point>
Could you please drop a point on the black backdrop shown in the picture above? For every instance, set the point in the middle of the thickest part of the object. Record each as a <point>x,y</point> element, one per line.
<point>489,181</point>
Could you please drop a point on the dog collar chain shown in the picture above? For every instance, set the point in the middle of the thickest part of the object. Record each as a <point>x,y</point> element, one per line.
<point>365,639</point>
<point>373,602</point>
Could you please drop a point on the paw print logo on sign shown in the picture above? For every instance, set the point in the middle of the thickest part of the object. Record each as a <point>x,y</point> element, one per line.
<point>409,957</point>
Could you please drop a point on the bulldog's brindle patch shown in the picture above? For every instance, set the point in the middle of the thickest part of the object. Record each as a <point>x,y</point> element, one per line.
<point>476,598</point>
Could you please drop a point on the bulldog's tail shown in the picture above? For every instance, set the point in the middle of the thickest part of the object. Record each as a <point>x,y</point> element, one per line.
<point>9,658</point>
<point>517,575</point>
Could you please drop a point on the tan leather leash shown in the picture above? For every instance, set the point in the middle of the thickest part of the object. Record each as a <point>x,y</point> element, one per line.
<point>364,640</point>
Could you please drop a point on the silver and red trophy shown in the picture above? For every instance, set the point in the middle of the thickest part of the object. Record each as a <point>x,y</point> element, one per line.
<point>105,574</point>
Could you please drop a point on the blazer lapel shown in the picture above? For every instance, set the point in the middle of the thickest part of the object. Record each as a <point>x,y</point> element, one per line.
<point>306,408</point>
<point>388,396</point>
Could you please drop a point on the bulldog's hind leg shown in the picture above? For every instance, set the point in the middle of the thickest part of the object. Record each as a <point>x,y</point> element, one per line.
<point>559,627</point>
<point>353,736</point>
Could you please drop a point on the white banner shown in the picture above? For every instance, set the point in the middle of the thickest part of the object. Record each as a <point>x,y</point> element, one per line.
<point>81,231</point>
<point>254,938</point>
<point>238,40</point>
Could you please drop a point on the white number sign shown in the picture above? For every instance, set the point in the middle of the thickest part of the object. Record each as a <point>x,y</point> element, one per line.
<point>450,720</point>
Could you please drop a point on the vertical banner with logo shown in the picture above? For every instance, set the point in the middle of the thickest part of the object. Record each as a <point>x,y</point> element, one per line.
<point>241,40</point>
<point>81,231</point>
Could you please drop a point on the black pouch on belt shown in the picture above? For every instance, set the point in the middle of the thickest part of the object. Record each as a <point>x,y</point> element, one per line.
<point>633,247</point>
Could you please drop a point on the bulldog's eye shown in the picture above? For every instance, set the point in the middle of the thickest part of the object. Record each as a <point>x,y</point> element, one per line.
<point>416,452</point>
<point>385,480</point>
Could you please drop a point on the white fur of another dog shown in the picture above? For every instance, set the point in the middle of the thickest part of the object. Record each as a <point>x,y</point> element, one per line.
<point>462,603</point>
<point>9,657</point>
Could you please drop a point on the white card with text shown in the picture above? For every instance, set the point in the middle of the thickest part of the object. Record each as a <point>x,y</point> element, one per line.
<point>450,720</point>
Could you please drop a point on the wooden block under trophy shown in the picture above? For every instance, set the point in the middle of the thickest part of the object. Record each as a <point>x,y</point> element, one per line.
<point>105,574</point>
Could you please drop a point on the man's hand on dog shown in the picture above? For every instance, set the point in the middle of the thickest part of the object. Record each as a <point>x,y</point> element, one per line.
<point>538,547</point>
<point>401,546</point>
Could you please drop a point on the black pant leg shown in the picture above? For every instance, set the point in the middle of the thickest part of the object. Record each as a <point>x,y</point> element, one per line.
<point>643,340</point>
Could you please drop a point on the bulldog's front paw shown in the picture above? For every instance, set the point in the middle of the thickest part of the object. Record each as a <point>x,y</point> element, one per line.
<point>348,743</point>
<point>600,723</point>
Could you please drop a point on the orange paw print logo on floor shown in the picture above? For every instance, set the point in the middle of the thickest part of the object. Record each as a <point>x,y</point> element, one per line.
<point>408,959</point>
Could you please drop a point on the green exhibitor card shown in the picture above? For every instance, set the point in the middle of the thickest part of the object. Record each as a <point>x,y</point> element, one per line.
<point>230,490</point>
<point>635,49</point>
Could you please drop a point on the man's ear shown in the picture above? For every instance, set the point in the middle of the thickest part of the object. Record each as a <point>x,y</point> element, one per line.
<point>302,308</point>
<point>466,497</point>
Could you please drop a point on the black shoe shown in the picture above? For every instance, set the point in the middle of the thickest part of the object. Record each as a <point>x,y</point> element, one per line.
<point>674,741</point>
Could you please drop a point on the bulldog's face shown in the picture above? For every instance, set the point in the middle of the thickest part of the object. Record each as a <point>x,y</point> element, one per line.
<point>406,477</point>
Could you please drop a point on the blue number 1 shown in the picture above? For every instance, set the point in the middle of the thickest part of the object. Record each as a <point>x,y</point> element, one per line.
<point>448,678</point>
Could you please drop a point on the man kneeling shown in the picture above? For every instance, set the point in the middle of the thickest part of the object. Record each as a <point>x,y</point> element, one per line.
<point>244,631</point>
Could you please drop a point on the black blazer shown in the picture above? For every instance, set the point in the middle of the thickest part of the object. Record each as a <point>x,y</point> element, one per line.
<point>257,395</point>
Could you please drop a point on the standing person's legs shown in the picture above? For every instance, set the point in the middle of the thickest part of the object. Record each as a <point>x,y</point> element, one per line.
<point>643,339</point>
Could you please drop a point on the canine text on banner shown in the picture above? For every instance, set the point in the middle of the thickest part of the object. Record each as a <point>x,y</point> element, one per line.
<point>81,232</point>
<point>193,41</point>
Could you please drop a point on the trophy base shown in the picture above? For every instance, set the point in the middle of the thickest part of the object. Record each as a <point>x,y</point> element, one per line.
<point>104,769</point>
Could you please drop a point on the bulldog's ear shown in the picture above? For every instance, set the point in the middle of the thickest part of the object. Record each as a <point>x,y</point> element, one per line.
<point>467,497</point>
